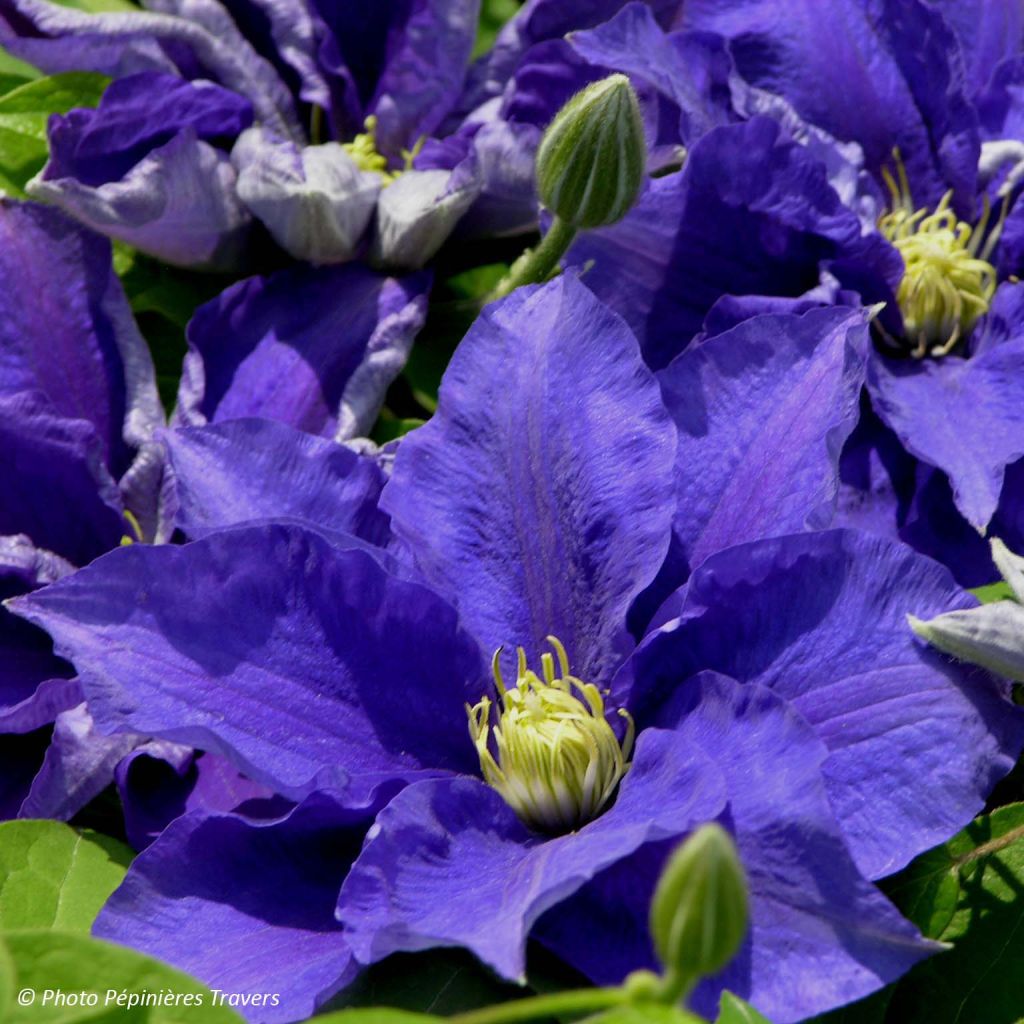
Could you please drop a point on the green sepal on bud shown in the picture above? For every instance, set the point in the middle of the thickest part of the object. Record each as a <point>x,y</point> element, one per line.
<point>699,910</point>
<point>592,158</point>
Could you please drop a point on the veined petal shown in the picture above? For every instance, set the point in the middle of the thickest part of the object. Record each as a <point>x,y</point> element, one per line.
<point>881,73</point>
<point>820,934</point>
<point>963,416</point>
<point>763,411</point>
<point>177,203</point>
<point>73,339</point>
<point>448,862</point>
<point>242,470</point>
<point>915,742</point>
<point>539,496</point>
<point>245,906</point>
<point>729,223</point>
<point>306,666</point>
<point>314,347</point>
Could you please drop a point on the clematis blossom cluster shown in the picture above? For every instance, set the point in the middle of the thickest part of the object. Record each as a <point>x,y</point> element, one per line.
<point>326,627</point>
<point>684,541</point>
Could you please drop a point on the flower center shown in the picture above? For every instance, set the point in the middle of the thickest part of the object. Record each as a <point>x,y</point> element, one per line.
<point>557,759</point>
<point>948,281</point>
<point>363,150</point>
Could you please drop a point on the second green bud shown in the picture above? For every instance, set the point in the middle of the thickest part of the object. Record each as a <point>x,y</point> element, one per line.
<point>699,911</point>
<point>592,158</point>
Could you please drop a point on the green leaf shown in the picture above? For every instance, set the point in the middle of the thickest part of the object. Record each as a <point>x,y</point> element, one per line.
<point>733,1010</point>
<point>376,1015</point>
<point>493,14</point>
<point>7,981</point>
<point>55,961</point>
<point>928,891</point>
<point>24,112</point>
<point>98,6</point>
<point>53,875</point>
<point>991,592</point>
<point>968,892</point>
<point>11,67</point>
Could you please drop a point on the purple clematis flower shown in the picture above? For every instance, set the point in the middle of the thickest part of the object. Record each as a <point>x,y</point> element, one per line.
<point>305,116</point>
<point>804,203</point>
<point>782,692</point>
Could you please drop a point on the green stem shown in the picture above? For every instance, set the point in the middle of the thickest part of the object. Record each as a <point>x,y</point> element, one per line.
<point>536,265</point>
<point>584,1000</point>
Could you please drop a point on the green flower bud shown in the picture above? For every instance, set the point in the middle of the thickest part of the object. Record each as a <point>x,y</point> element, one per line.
<point>699,910</point>
<point>590,164</point>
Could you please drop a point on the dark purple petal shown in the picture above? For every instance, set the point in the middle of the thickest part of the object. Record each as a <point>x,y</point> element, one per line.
<point>963,416</point>
<point>196,37</point>
<point>135,116</point>
<point>57,489</point>
<point>161,781</point>
<point>751,213</point>
<point>423,71</point>
<point>887,492</point>
<point>501,161</point>
<point>536,22</point>
<point>540,496</point>
<point>915,741</point>
<point>989,32</point>
<point>449,864</point>
<point>882,73</point>
<point>821,935</point>
<point>244,906</point>
<point>763,411</point>
<point>283,31</point>
<point>20,759</point>
<point>312,347</point>
<point>306,666</point>
<point>75,340</point>
<point>1001,111</point>
<point>634,44</point>
<point>35,685</point>
<point>242,470</point>
<point>177,203</point>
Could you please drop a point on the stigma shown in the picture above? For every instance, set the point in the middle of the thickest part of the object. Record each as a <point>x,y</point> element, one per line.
<point>948,281</point>
<point>557,761</point>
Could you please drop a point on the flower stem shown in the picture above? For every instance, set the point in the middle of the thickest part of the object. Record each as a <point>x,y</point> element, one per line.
<point>585,1000</point>
<point>536,265</point>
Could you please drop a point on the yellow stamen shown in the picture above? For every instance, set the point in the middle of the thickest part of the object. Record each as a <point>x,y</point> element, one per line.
<point>558,760</point>
<point>948,281</point>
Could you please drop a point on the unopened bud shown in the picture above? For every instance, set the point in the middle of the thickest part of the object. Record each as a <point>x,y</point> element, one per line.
<point>699,910</point>
<point>591,161</point>
<point>991,636</point>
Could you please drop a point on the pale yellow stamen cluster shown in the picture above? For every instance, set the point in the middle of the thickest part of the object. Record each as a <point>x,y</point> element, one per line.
<point>948,281</point>
<point>558,760</point>
<point>363,150</point>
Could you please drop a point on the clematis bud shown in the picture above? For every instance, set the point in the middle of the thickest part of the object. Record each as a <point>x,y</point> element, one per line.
<point>590,164</point>
<point>699,910</point>
<point>991,636</point>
